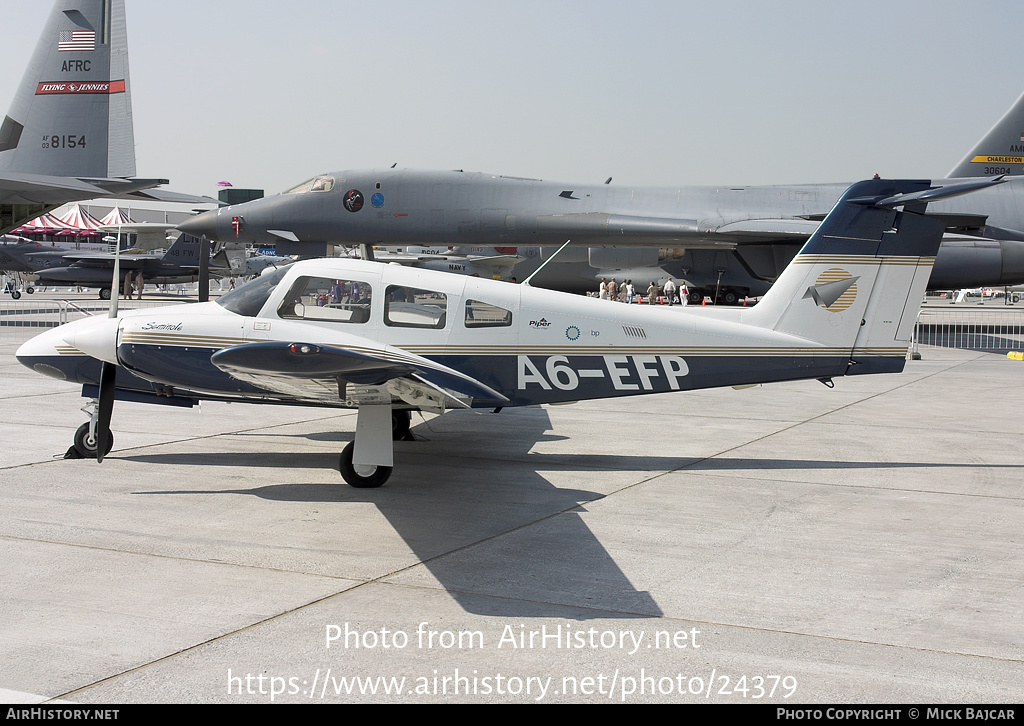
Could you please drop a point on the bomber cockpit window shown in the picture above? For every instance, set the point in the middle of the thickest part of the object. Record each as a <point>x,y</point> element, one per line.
<point>484,315</point>
<point>327,298</point>
<point>299,188</point>
<point>250,298</point>
<point>322,184</point>
<point>317,184</point>
<point>410,307</point>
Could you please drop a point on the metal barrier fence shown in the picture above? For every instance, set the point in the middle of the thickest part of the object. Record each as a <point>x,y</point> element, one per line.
<point>984,329</point>
<point>23,319</point>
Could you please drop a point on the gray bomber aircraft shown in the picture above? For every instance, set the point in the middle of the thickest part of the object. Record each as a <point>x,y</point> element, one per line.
<point>69,134</point>
<point>388,339</point>
<point>736,238</point>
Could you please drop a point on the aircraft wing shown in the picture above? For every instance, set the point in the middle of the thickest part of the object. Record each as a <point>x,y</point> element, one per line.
<point>105,259</point>
<point>148,235</point>
<point>767,230</point>
<point>40,189</point>
<point>322,372</point>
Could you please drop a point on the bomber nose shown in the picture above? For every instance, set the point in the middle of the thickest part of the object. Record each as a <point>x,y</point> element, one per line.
<point>97,340</point>
<point>201,225</point>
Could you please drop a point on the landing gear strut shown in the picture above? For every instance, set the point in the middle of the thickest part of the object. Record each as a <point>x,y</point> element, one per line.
<point>367,462</point>
<point>88,434</point>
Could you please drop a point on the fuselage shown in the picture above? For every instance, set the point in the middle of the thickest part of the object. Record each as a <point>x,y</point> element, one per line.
<point>530,345</point>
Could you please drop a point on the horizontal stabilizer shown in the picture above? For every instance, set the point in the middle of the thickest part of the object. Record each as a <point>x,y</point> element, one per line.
<point>946,191</point>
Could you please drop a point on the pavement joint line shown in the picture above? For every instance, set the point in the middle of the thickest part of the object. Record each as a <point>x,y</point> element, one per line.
<point>725,474</point>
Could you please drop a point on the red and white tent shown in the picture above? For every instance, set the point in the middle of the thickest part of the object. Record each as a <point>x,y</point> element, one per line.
<point>115,217</point>
<point>79,219</point>
<point>46,224</point>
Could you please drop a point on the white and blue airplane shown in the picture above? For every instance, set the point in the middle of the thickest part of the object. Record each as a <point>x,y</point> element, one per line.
<point>387,340</point>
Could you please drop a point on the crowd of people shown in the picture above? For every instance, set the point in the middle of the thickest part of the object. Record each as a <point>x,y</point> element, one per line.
<point>626,292</point>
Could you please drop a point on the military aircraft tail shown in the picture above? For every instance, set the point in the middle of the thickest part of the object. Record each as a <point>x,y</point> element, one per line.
<point>184,251</point>
<point>1000,151</point>
<point>72,113</point>
<point>857,284</point>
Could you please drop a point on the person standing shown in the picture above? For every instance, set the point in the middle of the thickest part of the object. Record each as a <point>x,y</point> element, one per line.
<point>603,289</point>
<point>652,293</point>
<point>670,291</point>
<point>613,291</point>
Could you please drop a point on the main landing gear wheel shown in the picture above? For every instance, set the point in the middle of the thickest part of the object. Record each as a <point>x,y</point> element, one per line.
<point>104,293</point>
<point>401,422</point>
<point>86,446</point>
<point>360,477</point>
<point>30,289</point>
<point>15,295</point>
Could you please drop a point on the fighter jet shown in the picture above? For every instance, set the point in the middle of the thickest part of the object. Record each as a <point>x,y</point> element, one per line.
<point>736,239</point>
<point>180,263</point>
<point>387,339</point>
<point>69,134</point>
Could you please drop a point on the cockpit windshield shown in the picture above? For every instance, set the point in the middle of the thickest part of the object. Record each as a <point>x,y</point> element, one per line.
<point>250,298</point>
<point>316,184</point>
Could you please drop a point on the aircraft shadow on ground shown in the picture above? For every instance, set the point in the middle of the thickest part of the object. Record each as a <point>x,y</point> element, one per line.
<point>472,528</point>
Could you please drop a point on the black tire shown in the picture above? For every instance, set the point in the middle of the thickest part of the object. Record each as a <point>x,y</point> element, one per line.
<point>104,293</point>
<point>15,295</point>
<point>729,297</point>
<point>401,422</point>
<point>373,480</point>
<point>696,297</point>
<point>30,289</point>
<point>87,448</point>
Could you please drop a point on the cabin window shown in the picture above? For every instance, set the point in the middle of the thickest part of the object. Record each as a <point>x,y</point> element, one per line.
<point>327,298</point>
<point>411,307</point>
<point>484,315</point>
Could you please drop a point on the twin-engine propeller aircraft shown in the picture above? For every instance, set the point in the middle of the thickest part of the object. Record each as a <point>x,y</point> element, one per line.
<point>387,340</point>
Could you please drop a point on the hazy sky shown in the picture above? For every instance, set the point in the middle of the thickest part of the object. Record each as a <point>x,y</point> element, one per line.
<point>264,94</point>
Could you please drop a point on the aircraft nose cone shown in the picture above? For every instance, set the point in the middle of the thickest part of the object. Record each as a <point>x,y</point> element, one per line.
<point>98,340</point>
<point>202,225</point>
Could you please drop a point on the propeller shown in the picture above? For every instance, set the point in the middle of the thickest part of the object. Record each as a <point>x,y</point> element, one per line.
<point>108,371</point>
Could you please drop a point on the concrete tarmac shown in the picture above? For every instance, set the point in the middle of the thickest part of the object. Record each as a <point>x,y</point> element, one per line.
<point>782,544</point>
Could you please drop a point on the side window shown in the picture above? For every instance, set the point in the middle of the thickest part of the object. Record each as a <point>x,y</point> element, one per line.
<point>484,315</point>
<point>324,298</point>
<point>410,307</point>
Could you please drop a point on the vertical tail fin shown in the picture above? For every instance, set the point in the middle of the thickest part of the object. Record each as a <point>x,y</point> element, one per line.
<point>857,285</point>
<point>1000,151</point>
<point>184,251</point>
<point>72,113</point>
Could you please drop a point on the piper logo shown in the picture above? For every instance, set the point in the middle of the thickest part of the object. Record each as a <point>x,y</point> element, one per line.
<point>835,290</point>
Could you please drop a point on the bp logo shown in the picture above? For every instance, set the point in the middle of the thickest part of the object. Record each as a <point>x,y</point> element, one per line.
<point>572,332</point>
<point>353,200</point>
<point>835,290</point>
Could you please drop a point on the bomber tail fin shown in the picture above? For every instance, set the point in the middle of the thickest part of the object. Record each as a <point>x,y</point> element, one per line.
<point>1000,151</point>
<point>857,284</point>
<point>72,113</point>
